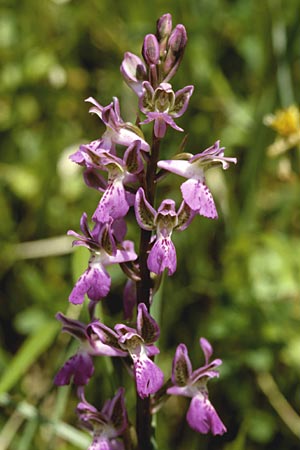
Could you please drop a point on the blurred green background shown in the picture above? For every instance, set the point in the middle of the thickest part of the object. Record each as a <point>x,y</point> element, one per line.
<point>237,282</point>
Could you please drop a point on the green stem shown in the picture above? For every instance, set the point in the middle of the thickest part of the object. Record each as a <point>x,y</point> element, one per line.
<point>144,287</point>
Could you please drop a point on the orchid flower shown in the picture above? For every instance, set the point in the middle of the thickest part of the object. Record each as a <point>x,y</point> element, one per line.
<point>163,253</point>
<point>80,366</point>
<point>105,425</point>
<point>139,343</point>
<point>95,281</point>
<point>201,415</point>
<point>162,105</point>
<point>194,191</point>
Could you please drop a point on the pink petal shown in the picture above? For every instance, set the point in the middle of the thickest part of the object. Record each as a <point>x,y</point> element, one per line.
<point>199,198</point>
<point>162,256</point>
<point>202,416</point>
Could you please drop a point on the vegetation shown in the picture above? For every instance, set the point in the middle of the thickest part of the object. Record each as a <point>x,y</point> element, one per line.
<point>241,273</point>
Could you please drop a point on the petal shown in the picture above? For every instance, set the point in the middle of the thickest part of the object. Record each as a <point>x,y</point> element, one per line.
<point>79,366</point>
<point>199,198</point>
<point>182,367</point>
<point>148,376</point>
<point>144,212</point>
<point>103,340</point>
<point>112,204</point>
<point>95,282</point>
<point>160,127</point>
<point>134,72</point>
<point>104,443</point>
<point>132,158</point>
<point>202,416</point>
<point>182,98</point>
<point>72,326</point>
<point>206,348</point>
<point>180,167</point>
<point>146,325</point>
<point>117,412</point>
<point>126,253</point>
<point>162,256</point>
<point>185,216</point>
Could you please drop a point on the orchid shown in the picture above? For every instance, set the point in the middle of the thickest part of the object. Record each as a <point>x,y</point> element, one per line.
<point>95,281</point>
<point>117,131</point>
<point>80,366</point>
<point>139,343</point>
<point>116,200</point>
<point>105,425</point>
<point>201,415</point>
<point>194,191</point>
<point>127,170</point>
<point>162,105</point>
<point>162,54</point>
<point>162,254</point>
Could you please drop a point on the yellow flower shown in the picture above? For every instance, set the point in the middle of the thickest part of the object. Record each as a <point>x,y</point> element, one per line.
<point>286,122</point>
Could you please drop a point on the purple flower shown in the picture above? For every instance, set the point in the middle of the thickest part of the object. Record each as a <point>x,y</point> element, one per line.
<point>162,105</point>
<point>116,200</point>
<point>95,281</point>
<point>80,366</point>
<point>134,72</point>
<point>201,415</point>
<point>139,344</point>
<point>105,425</point>
<point>163,254</point>
<point>117,131</point>
<point>194,191</point>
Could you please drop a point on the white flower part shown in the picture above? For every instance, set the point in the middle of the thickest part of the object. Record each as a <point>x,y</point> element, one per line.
<point>183,168</point>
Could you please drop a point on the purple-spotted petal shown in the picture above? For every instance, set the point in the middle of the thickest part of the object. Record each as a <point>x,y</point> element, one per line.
<point>162,256</point>
<point>148,376</point>
<point>199,198</point>
<point>112,204</point>
<point>95,282</point>
<point>202,416</point>
<point>79,366</point>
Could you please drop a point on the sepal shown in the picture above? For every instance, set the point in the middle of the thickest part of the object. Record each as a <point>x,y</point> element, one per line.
<point>144,212</point>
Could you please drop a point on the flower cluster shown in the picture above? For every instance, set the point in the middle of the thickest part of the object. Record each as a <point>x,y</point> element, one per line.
<point>123,167</point>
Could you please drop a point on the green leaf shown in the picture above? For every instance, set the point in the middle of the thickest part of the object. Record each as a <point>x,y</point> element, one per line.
<point>31,349</point>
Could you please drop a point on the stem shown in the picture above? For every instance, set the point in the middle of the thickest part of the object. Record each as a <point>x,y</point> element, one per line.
<point>143,414</point>
<point>145,285</point>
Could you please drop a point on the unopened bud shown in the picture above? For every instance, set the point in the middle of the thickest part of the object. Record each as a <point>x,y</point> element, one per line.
<point>177,40</point>
<point>164,27</point>
<point>150,49</point>
<point>163,31</point>
<point>176,46</point>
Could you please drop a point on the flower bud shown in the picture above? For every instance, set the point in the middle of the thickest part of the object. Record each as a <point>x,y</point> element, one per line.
<point>164,27</point>
<point>176,46</point>
<point>163,31</point>
<point>150,49</point>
